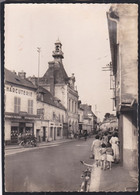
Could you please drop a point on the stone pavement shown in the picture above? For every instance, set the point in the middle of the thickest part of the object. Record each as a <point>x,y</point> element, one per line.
<point>118,179</point>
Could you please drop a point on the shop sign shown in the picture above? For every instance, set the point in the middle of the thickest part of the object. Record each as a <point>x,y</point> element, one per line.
<point>30,118</point>
<point>16,117</point>
<point>19,91</point>
<point>14,124</point>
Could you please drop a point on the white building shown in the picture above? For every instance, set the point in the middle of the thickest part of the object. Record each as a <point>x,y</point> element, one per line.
<point>20,106</point>
<point>52,116</point>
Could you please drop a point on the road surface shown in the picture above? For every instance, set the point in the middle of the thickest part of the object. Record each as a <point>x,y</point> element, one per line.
<point>55,168</point>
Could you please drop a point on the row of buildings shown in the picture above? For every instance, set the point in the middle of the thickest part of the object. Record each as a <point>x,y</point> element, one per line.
<point>47,107</point>
<point>123,35</point>
<point>110,123</point>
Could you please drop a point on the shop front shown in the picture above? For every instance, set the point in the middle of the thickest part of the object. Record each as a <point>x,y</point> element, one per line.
<point>41,130</point>
<point>17,125</point>
<point>55,131</point>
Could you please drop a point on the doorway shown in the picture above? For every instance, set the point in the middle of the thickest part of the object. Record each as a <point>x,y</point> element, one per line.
<point>44,134</point>
<point>38,135</point>
<point>54,133</point>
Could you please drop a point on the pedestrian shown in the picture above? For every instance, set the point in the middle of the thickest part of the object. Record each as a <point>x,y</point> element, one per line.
<point>95,148</point>
<point>85,135</point>
<point>114,141</point>
<point>109,156</point>
<point>109,136</point>
<point>103,156</point>
<point>100,136</point>
<point>19,138</point>
<point>105,138</point>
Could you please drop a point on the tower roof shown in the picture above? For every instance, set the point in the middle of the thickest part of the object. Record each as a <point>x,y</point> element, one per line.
<point>58,72</point>
<point>58,41</point>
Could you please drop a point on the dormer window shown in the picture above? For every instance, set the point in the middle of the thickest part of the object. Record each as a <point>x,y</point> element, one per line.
<point>40,97</point>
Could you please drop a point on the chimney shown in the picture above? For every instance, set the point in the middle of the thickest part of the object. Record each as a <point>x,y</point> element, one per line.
<point>22,74</point>
<point>51,77</point>
<point>33,79</point>
<point>90,107</point>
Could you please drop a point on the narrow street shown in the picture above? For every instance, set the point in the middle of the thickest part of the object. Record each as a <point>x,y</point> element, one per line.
<point>55,168</point>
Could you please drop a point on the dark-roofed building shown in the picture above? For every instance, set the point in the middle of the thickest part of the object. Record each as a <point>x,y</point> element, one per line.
<point>20,106</point>
<point>61,86</point>
<point>88,118</point>
<point>31,110</point>
<point>52,116</point>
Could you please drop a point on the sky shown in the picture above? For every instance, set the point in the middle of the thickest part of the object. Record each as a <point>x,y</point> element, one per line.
<point>83,32</point>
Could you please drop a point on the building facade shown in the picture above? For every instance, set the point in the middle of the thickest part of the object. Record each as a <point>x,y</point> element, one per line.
<point>62,87</point>
<point>123,34</point>
<point>87,119</point>
<point>31,110</point>
<point>52,116</point>
<point>20,106</point>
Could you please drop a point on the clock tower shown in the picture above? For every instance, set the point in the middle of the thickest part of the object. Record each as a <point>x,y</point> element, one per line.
<point>58,54</point>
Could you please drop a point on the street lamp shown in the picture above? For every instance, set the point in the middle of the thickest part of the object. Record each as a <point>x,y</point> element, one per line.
<point>38,50</point>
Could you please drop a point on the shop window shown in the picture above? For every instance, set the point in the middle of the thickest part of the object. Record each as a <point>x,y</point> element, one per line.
<point>58,131</point>
<point>30,106</point>
<point>14,134</point>
<point>17,102</point>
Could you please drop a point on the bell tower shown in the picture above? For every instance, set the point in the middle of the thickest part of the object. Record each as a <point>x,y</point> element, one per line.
<point>58,54</point>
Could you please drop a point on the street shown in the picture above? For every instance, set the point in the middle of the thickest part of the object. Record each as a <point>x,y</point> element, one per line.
<point>53,168</point>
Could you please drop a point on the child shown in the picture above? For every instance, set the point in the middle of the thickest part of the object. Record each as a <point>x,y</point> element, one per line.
<point>105,138</point>
<point>109,156</point>
<point>103,156</point>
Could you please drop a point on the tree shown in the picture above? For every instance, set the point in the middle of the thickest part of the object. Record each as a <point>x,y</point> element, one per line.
<point>107,115</point>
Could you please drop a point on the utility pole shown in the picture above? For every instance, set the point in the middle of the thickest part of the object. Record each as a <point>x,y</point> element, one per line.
<point>38,50</point>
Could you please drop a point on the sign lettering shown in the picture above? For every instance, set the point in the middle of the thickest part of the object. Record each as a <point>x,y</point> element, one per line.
<point>19,91</point>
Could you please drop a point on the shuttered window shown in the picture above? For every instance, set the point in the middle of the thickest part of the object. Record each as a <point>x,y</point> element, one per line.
<point>17,103</point>
<point>30,106</point>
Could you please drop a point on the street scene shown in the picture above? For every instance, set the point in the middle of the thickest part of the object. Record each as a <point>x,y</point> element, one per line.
<point>71,98</point>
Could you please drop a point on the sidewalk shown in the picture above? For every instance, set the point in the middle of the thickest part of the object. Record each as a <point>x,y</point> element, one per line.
<point>41,144</point>
<point>115,180</point>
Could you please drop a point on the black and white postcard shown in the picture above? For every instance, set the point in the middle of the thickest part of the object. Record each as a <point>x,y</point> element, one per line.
<point>70,97</point>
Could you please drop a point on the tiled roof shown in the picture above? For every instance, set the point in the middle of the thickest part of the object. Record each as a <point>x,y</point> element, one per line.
<point>60,75</point>
<point>11,77</point>
<point>49,99</point>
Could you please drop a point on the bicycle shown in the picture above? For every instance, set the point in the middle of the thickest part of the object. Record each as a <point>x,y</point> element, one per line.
<point>86,176</point>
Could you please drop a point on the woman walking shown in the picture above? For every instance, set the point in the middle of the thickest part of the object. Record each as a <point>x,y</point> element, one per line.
<point>95,148</point>
<point>114,141</point>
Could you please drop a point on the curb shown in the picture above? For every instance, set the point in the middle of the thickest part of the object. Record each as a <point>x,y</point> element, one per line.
<point>39,144</point>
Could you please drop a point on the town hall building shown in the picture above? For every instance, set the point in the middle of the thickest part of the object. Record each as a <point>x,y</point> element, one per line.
<point>62,87</point>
